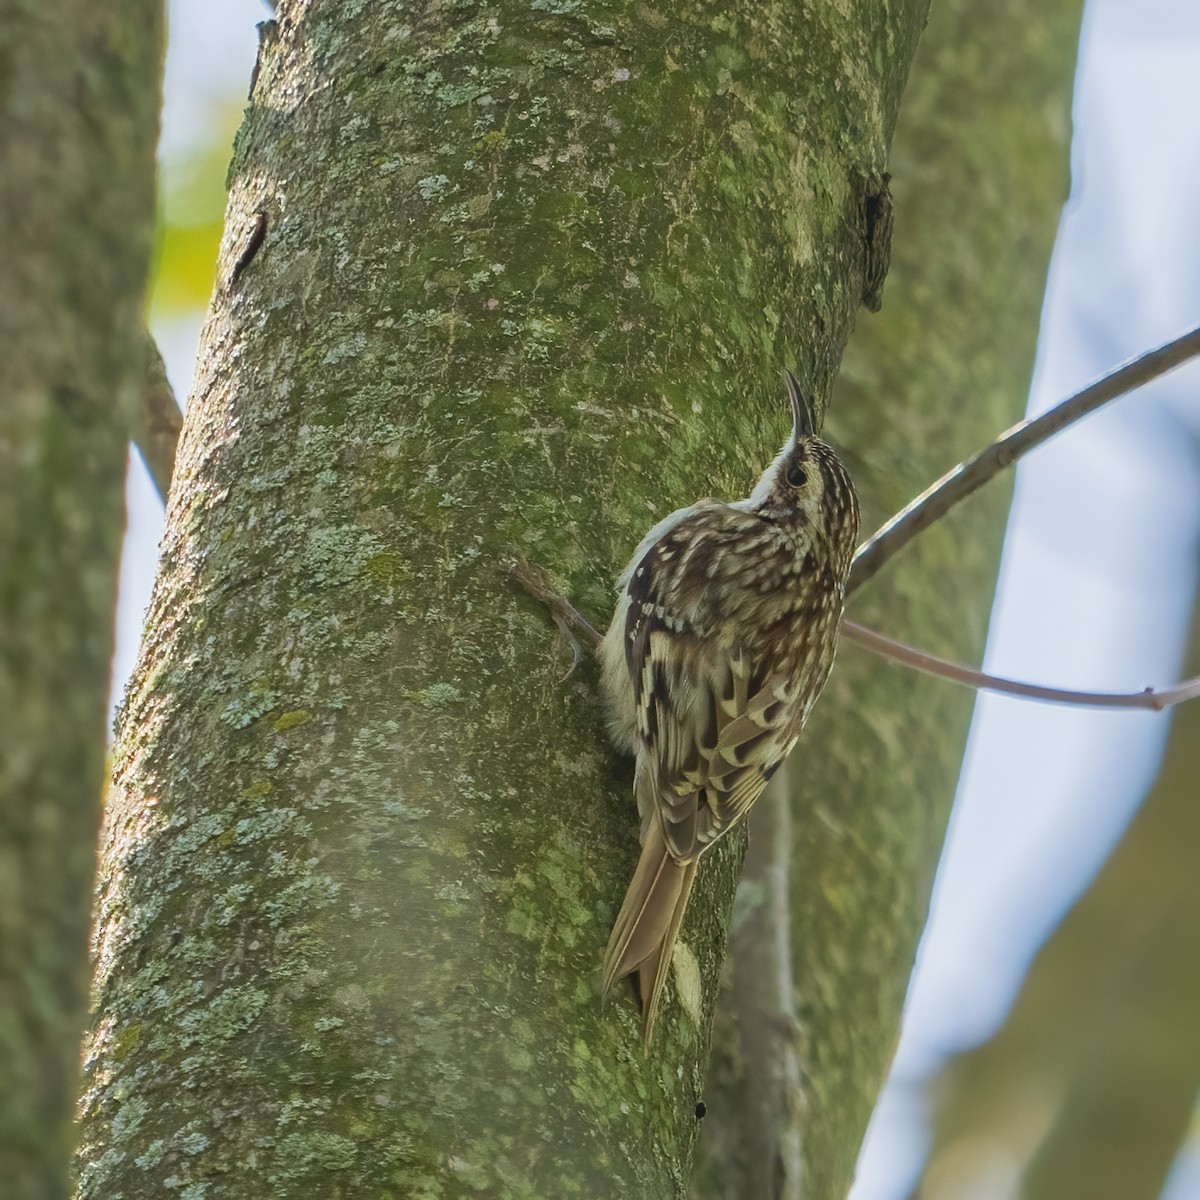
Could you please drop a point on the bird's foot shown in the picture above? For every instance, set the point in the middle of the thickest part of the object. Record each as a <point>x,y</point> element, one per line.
<point>567,618</point>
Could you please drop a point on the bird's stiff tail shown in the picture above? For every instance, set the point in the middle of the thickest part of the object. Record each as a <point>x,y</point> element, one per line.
<point>644,934</point>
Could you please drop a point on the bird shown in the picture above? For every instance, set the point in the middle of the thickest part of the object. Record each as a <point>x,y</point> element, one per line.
<point>723,636</point>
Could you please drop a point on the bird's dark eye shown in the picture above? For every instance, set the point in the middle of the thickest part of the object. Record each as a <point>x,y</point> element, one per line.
<point>796,476</point>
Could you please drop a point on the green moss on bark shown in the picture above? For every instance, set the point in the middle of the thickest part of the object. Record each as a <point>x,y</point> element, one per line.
<point>529,276</point>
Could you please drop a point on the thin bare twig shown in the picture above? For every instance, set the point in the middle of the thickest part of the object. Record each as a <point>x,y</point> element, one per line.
<point>158,421</point>
<point>930,664</point>
<point>934,503</point>
<point>534,580</point>
<point>969,476</point>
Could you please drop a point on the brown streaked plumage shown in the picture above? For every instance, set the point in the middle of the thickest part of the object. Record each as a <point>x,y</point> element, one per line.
<point>723,636</point>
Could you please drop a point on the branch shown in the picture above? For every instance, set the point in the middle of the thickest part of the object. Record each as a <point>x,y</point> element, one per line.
<point>970,476</point>
<point>158,421</point>
<point>776,1110</point>
<point>534,580</point>
<point>930,664</point>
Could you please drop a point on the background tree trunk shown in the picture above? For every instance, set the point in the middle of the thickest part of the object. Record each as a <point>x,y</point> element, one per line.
<point>979,177</point>
<point>1090,1086</point>
<point>521,279</point>
<point>78,120</point>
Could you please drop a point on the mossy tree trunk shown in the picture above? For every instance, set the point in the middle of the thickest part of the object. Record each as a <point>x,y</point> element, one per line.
<point>79,93</point>
<point>980,169</point>
<point>981,178</point>
<point>497,278</point>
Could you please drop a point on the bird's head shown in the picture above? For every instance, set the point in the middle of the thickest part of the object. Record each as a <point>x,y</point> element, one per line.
<point>807,486</point>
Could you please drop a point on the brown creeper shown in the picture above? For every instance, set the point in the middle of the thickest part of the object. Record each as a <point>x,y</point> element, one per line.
<point>722,639</point>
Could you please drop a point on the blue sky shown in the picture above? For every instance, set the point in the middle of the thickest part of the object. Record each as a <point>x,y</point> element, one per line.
<point>1099,568</point>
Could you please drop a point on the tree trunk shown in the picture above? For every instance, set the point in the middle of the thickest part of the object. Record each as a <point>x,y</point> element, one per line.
<point>1090,1086</point>
<point>79,91</point>
<point>979,176</point>
<point>514,280</point>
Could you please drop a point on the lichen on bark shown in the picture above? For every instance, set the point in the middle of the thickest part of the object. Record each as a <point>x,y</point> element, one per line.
<point>527,279</point>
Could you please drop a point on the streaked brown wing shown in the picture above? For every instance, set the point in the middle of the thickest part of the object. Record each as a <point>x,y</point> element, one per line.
<point>678,727</point>
<point>712,735</point>
<point>751,743</point>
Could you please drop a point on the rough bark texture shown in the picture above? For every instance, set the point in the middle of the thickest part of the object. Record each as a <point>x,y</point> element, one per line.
<point>494,277</point>
<point>78,119</point>
<point>979,175</point>
<point>1090,1086</point>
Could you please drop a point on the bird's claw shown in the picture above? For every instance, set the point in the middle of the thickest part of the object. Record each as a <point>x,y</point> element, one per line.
<point>567,618</point>
<point>572,642</point>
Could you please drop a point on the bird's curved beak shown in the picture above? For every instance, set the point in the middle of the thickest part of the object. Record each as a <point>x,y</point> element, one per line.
<point>803,424</point>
